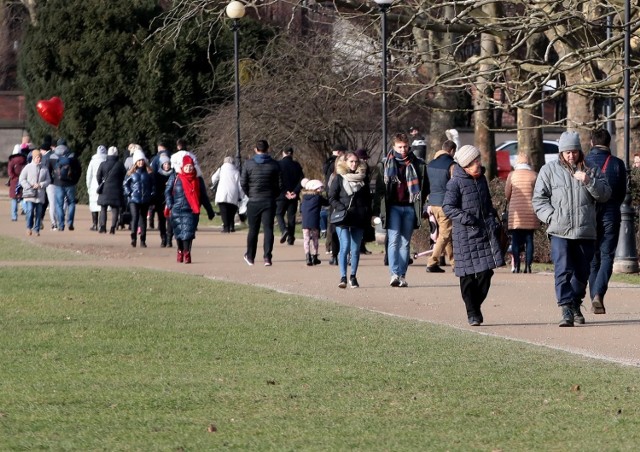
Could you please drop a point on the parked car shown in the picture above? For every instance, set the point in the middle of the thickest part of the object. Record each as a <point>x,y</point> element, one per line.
<point>510,149</point>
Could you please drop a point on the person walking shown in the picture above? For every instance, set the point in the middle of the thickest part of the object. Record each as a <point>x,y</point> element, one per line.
<point>350,193</point>
<point>476,248</point>
<point>160,179</point>
<point>439,171</point>
<point>17,162</point>
<point>228,193</point>
<point>522,221</point>
<point>92,184</point>
<point>139,189</point>
<point>261,181</point>
<point>311,204</point>
<point>34,179</point>
<point>66,175</point>
<point>608,216</point>
<point>110,175</point>
<point>564,199</point>
<point>406,187</point>
<point>287,202</point>
<point>184,194</point>
<point>331,242</point>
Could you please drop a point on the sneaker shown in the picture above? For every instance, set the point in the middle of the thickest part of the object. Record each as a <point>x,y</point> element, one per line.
<point>567,317</point>
<point>403,282</point>
<point>395,281</point>
<point>343,282</point>
<point>597,305</point>
<point>54,227</point>
<point>474,321</point>
<point>247,260</point>
<point>283,237</point>
<point>353,282</point>
<point>267,262</point>
<point>577,314</point>
<point>435,269</point>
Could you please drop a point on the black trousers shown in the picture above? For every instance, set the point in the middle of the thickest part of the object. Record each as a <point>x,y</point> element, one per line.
<point>260,212</point>
<point>288,207</point>
<point>164,225</point>
<point>474,289</point>
<point>139,219</point>
<point>228,213</point>
<point>115,215</point>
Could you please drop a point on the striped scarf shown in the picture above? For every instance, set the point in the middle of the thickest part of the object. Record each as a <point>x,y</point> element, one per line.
<point>391,173</point>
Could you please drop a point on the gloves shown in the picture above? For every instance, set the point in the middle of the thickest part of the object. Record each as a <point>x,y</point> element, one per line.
<point>167,212</point>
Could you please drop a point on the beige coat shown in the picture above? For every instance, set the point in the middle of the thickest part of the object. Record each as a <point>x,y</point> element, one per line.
<point>519,192</point>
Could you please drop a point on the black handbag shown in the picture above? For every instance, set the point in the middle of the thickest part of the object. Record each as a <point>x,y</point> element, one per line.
<point>100,188</point>
<point>338,216</point>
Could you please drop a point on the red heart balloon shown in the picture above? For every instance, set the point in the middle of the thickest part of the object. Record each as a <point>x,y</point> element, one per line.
<point>51,110</point>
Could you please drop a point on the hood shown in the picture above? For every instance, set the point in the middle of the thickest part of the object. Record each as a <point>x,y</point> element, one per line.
<point>342,167</point>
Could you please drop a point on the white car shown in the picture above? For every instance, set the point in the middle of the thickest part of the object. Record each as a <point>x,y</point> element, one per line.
<point>550,150</point>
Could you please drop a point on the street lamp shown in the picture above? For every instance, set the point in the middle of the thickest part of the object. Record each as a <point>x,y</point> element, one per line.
<point>383,6</point>
<point>626,258</point>
<point>235,11</point>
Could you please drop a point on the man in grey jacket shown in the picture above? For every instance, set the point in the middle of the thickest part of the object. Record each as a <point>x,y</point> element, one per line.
<point>565,199</point>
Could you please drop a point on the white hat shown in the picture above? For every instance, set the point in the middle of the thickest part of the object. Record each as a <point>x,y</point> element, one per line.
<point>466,154</point>
<point>138,154</point>
<point>112,150</point>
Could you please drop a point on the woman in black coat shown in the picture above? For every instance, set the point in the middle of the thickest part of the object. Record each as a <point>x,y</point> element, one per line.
<point>112,173</point>
<point>184,194</point>
<point>139,189</point>
<point>349,191</point>
<point>476,248</point>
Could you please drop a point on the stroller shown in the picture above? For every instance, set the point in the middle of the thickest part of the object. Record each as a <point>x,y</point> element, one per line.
<point>433,234</point>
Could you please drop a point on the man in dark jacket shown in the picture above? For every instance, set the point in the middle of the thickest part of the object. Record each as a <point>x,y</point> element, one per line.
<point>291,173</point>
<point>66,174</point>
<point>439,171</point>
<point>261,181</point>
<point>607,214</point>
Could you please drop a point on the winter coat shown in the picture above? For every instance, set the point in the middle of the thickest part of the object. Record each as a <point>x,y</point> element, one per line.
<point>565,204</point>
<point>467,203</point>
<point>358,205</point>
<point>228,190</point>
<point>183,220</point>
<point>291,173</point>
<point>615,174</point>
<point>113,173</point>
<point>439,172</point>
<point>139,187</point>
<point>160,178</point>
<point>16,164</point>
<point>76,168</point>
<point>519,191</point>
<point>34,174</point>
<point>310,207</point>
<point>260,178</point>
<point>92,181</point>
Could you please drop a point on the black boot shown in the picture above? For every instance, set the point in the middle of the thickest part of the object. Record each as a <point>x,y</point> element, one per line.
<point>567,316</point>
<point>316,261</point>
<point>134,239</point>
<point>94,218</point>
<point>163,243</point>
<point>309,260</point>
<point>577,313</point>
<point>333,261</point>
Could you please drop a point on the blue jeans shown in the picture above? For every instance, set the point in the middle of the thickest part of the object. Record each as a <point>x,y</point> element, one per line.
<point>602,262</point>
<point>324,213</point>
<point>68,194</point>
<point>399,230</point>
<point>571,260</point>
<point>14,209</point>
<point>522,238</point>
<point>34,216</point>
<point>350,239</point>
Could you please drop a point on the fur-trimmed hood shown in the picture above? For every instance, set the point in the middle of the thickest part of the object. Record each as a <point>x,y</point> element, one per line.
<point>342,168</point>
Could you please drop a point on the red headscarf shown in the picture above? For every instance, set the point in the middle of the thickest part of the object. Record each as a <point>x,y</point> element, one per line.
<point>190,185</point>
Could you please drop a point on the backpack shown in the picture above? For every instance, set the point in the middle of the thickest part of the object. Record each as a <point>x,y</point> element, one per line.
<point>63,170</point>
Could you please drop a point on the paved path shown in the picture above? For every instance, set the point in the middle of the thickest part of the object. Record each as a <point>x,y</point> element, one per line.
<point>519,307</point>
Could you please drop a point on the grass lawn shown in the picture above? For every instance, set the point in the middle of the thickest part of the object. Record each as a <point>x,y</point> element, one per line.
<point>96,359</point>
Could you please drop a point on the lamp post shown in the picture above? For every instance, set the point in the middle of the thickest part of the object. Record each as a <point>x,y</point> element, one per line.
<point>626,258</point>
<point>383,6</point>
<point>235,11</point>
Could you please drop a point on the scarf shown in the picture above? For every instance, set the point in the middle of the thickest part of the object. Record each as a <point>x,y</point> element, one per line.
<point>391,173</point>
<point>191,187</point>
<point>352,182</point>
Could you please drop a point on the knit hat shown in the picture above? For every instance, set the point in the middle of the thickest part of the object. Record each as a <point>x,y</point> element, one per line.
<point>569,141</point>
<point>362,154</point>
<point>163,159</point>
<point>466,154</point>
<point>138,154</point>
<point>187,160</point>
<point>303,182</point>
<point>314,184</point>
<point>112,151</point>
<point>102,150</point>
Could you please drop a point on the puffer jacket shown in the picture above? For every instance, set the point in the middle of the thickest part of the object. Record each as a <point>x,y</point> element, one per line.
<point>310,206</point>
<point>183,220</point>
<point>34,174</point>
<point>261,179</point>
<point>91,180</point>
<point>565,204</point>
<point>615,174</point>
<point>113,173</point>
<point>16,163</point>
<point>519,191</point>
<point>467,202</point>
<point>139,187</point>
<point>358,204</point>
<point>228,190</point>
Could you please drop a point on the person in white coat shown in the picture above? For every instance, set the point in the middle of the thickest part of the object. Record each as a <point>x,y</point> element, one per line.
<point>228,193</point>
<point>34,180</point>
<point>92,184</point>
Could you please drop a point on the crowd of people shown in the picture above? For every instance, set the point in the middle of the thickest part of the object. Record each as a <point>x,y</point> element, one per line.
<point>577,198</point>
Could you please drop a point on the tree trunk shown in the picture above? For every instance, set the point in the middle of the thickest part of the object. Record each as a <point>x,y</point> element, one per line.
<point>484,138</point>
<point>530,135</point>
